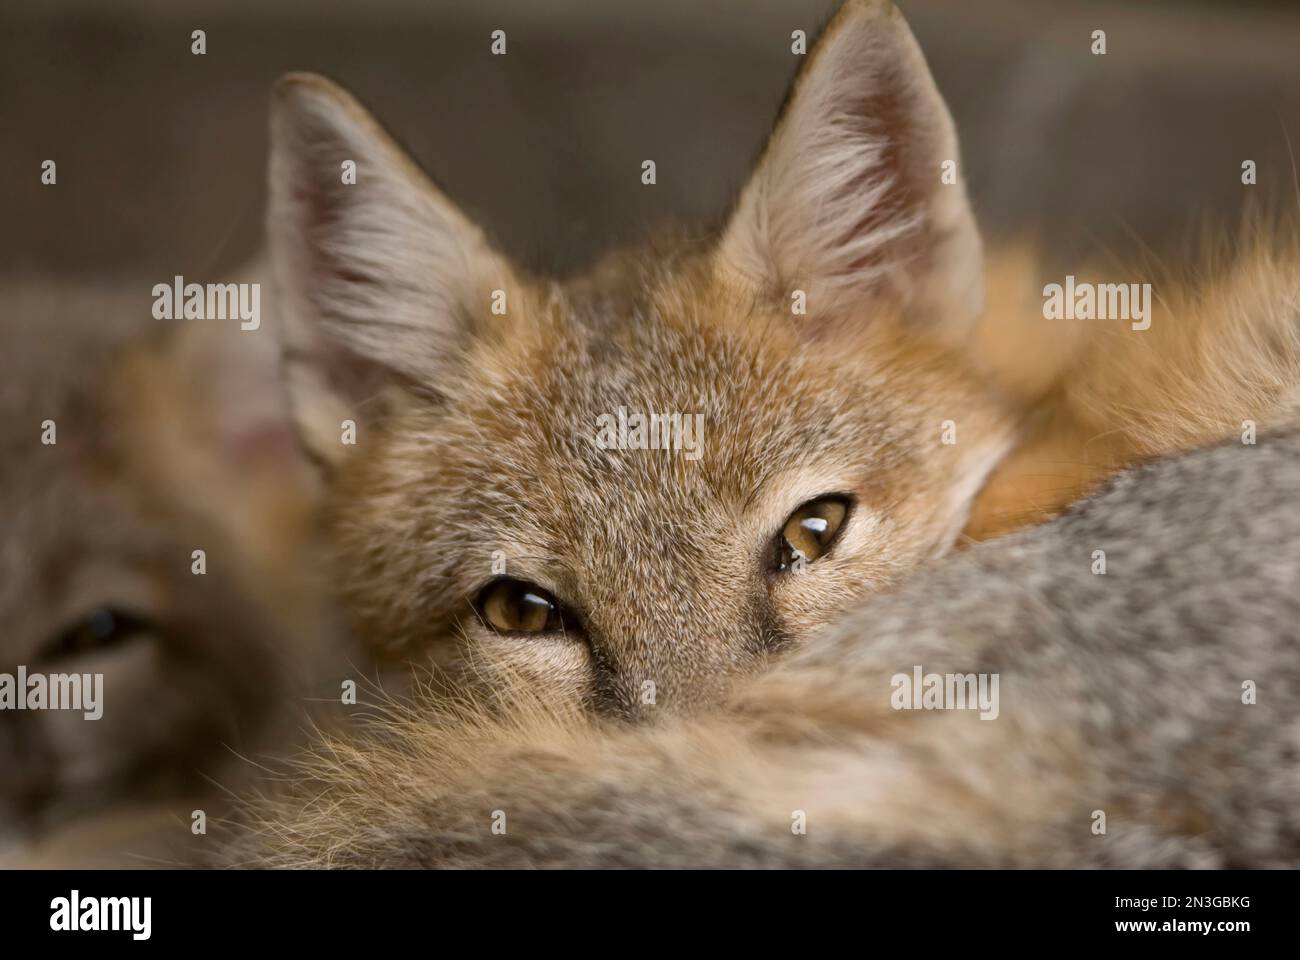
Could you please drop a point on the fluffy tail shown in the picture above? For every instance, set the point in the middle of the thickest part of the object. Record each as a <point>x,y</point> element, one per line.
<point>1221,359</point>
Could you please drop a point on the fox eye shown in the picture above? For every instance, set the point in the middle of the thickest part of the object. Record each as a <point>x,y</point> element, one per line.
<point>811,530</point>
<point>100,628</point>
<point>513,606</point>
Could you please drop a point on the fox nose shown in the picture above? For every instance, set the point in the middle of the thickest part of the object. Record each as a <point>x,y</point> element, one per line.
<point>648,702</point>
<point>678,643</point>
<point>649,688</point>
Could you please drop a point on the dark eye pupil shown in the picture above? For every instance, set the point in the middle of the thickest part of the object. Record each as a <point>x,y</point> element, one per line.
<point>102,624</point>
<point>102,627</point>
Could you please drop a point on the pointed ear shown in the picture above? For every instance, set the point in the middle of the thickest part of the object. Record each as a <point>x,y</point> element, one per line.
<point>848,202</point>
<point>379,278</point>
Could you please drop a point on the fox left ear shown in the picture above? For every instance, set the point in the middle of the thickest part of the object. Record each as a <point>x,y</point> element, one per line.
<point>858,195</point>
<point>381,281</point>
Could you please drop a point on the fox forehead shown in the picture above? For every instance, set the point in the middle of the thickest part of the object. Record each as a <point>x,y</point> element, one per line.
<point>676,343</point>
<point>526,406</point>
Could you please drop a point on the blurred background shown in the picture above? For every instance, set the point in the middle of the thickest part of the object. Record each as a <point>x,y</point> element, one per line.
<point>160,153</point>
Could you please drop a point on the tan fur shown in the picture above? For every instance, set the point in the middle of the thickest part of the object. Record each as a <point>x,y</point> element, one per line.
<point>802,739</point>
<point>1223,349</point>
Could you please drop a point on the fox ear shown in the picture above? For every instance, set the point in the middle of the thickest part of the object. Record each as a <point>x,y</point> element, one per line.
<point>849,200</point>
<point>378,276</point>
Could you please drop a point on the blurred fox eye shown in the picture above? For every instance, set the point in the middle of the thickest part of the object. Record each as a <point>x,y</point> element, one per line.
<point>513,606</point>
<point>99,628</point>
<point>810,531</point>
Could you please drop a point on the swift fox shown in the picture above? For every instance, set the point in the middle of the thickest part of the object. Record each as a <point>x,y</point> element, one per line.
<point>127,448</point>
<point>513,487</point>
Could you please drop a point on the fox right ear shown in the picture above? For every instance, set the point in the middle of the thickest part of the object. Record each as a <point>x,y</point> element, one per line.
<point>858,196</point>
<point>379,278</point>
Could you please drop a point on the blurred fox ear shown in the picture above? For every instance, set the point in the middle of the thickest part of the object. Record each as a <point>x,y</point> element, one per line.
<point>214,431</point>
<point>379,278</point>
<point>858,195</point>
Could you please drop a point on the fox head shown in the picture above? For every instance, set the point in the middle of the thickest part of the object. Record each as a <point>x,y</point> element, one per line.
<point>125,451</point>
<point>633,487</point>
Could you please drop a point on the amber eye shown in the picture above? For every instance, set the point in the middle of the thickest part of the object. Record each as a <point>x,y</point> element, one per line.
<point>513,606</point>
<point>811,530</point>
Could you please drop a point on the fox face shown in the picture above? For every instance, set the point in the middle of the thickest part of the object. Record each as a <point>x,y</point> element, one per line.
<point>635,486</point>
<point>142,464</point>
